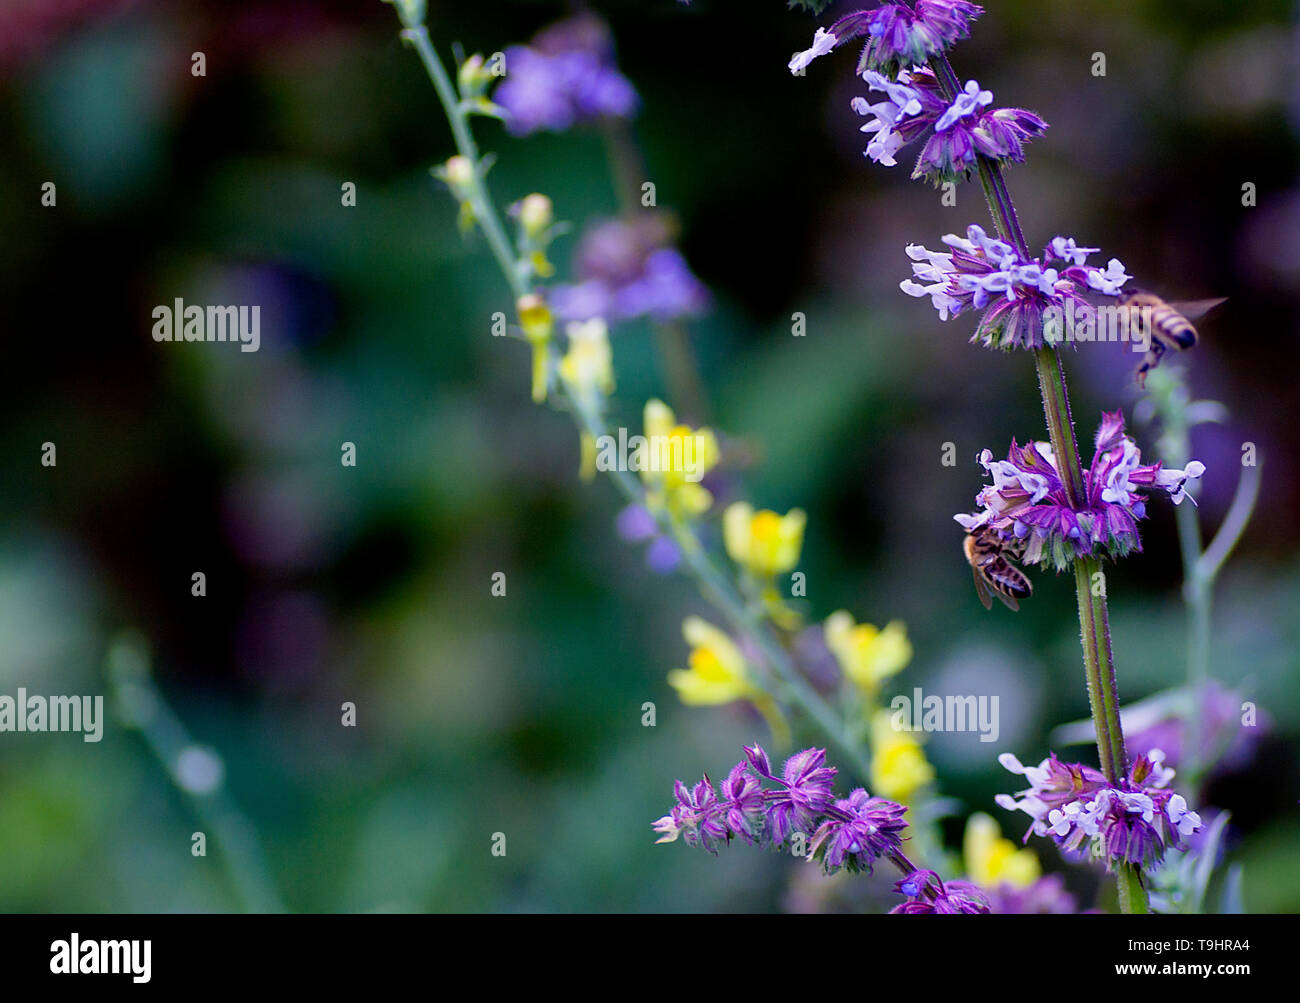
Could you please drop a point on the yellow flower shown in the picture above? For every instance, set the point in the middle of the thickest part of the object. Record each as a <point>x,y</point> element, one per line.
<point>764,542</point>
<point>718,674</point>
<point>677,459</point>
<point>538,323</point>
<point>898,764</point>
<point>867,654</point>
<point>588,365</point>
<point>993,860</point>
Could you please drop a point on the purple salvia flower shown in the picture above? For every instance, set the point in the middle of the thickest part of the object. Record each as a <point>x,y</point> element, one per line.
<point>743,794</point>
<point>1133,821</point>
<point>969,127</point>
<point>913,104</point>
<point>758,760</point>
<point>897,37</point>
<point>1015,293</point>
<point>1028,508</point>
<point>862,830</point>
<point>927,894</point>
<point>698,817</point>
<point>807,795</point>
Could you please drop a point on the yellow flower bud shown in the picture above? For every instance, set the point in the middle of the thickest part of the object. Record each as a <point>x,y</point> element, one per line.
<point>459,173</point>
<point>536,213</point>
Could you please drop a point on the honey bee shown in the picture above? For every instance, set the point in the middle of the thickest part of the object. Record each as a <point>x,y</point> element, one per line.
<point>994,573</point>
<point>1171,325</point>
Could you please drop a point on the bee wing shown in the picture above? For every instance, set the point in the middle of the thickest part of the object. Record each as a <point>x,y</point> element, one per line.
<point>1191,309</point>
<point>981,589</point>
<point>1009,602</point>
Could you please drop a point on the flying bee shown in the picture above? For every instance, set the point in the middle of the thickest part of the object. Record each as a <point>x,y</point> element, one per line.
<point>1171,325</point>
<point>994,573</point>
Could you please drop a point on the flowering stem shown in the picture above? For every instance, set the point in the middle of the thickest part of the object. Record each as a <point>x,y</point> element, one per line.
<point>480,201</point>
<point>713,583</point>
<point>1099,665</point>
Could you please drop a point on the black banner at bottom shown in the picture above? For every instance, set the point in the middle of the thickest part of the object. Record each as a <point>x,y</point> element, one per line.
<point>90,952</point>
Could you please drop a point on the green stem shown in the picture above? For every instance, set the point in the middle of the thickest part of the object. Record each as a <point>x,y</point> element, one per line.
<point>1099,666</point>
<point>141,705</point>
<point>480,200</point>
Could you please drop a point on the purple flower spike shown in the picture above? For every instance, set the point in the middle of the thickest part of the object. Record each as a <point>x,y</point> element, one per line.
<point>851,833</point>
<point>1028,508</point>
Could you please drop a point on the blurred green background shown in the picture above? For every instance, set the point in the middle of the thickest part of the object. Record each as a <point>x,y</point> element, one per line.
<point>522,714</point>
